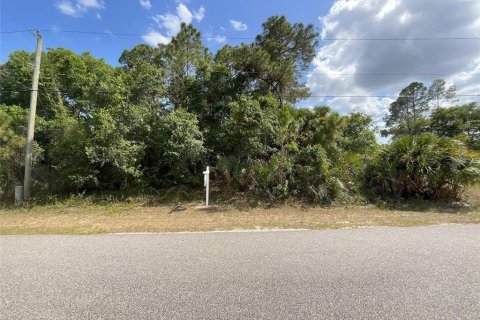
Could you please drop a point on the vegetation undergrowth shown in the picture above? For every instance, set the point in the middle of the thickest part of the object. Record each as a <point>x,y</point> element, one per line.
<point>145,130</point>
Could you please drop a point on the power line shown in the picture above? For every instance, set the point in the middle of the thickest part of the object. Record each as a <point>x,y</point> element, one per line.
<point>401,39</point>
<point>379,96</point>
<point>354,74</point>
<point>370,74</point>
<point>393,74</point>
<point>15,31</point>
<point>121,34</point>
<point>127,34</point>
<point>253,38</point>
<point>26,89</point>
<point>365,74</point>
<point>311,96</point>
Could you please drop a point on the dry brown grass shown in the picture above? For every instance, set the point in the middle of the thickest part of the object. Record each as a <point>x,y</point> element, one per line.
<point>472,195</point>
<point>141,217</point>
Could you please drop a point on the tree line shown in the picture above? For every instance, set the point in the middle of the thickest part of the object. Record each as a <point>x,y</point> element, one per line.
<point>165,112</point>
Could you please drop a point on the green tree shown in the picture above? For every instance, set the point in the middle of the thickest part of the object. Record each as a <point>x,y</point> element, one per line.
<point>359,134</point>
<point>79,83</point>
<point>175,151</point>
<point>407,113</point>
<point>462,122</point>
<point>290,48</point>
<point>438,93</point>
<point>12,143</point>
<point>323,127</point>
<point>144,76</point>
<point>187,64</point>
<point>273,64</point>
<point>83,82</point>
<point>16,79</point>
<point>116,157</point>
<point>67,165</point>
<point>243,68</point>
<point>11,148</point>
<point>251,128</point>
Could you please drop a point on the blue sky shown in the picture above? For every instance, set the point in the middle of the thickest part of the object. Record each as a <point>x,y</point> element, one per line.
<point>364,69</point>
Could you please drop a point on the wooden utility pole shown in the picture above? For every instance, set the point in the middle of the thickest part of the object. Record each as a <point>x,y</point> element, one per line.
<point>31,119</point>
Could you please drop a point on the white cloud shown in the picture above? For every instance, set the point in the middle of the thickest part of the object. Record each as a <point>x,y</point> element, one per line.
<point>79,7</point>
<point>367,60</point>
<point>94,4</point>
<point>467,83</point>
<point>154,38</point>
<point>67,8</point>
<point>55,28</point>
<point>184,14</point>
<point>405,17</point>
<point>238,25</point>
<point>219,39</point>
<point>389,6</point>
<point>200,14</point>
<point>146,4</point>
<point>170,23</point>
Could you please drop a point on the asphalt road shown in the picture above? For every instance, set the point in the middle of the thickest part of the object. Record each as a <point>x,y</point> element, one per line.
<point>380,273</point>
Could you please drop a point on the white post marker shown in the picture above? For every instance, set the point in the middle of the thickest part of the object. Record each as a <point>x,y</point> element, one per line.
<point>206,183</point>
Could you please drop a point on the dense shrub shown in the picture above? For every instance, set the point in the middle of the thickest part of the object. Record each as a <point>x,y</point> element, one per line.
<point>273,178</point>
<point>67,167</point>
<point>167,111</point>
<point>233,173</point>
<point>250,129</point>
<point>317,156</point>
<point>461,122</point>
<point>175,151</point>
<point>423,166</point>
<point>116,157</point>
<point>12,148</point>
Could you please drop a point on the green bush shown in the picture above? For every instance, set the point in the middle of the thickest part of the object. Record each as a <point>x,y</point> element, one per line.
<point>273,178</point>
<point>252,125</point>
<point>319,156</point>
<point>313,178</point>
<point>233,173</point>
<point>423,166</point>
<point>13,120</point>
<point>116,157</point>
<point>11,149</point>
<point>67,166</point>
<point>167,111</point>
<point>176,150</point>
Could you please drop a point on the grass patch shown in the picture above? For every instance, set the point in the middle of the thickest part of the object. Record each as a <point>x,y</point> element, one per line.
<point>180,211</point>
<point>91,219</point>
